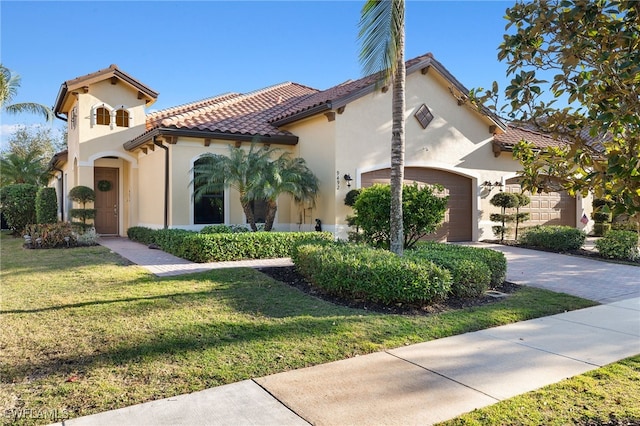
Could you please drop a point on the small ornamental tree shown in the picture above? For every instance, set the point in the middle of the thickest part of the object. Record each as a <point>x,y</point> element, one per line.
<point>504,200</point>
<point>18,204</point>
<point>46,206</point>
<point>423,213</point>
<point>82,195</point>
<point>523,200</point>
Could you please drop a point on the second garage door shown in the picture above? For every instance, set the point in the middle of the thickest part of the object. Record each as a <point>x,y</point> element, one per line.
<point>457,220</point>
<point>552,208</point>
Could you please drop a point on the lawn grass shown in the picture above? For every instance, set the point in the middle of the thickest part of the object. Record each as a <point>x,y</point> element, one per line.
<point>608,395</point>
<point>84,332</point>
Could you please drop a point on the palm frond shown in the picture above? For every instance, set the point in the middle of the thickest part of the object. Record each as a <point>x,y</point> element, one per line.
<point>381,22</point>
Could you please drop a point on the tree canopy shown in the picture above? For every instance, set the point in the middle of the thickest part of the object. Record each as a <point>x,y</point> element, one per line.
<point>586,53</point>
<point>9,84</point>
<point>257,177</point>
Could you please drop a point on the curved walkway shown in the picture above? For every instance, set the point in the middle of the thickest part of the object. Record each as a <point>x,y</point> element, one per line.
<point>424,383</point>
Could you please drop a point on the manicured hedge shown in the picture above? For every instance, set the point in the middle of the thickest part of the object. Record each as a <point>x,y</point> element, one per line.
<point>473,269</point>
<point>217,247</point>
<point>46,205</point>
<point>362,272</point>
<point>18,202</point>
<point>556,238</point>
<point>619,245</point>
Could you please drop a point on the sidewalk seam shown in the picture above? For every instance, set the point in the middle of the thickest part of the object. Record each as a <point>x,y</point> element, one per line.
<point>280,402</point>
<point>443,376</point>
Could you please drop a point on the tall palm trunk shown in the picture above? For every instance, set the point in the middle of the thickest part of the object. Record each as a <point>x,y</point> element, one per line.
<point>397,151</point>
<point>272,208</point>
<point>248,212</point>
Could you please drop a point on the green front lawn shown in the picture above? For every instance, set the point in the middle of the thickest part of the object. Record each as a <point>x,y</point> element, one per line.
<point>84,332</point>
<point>606,396</point>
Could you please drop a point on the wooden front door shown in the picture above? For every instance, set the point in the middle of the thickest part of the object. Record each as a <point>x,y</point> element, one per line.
<point>107,208</point>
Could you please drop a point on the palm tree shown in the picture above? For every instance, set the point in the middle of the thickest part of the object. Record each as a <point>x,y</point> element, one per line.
<point>285,175</point>
<point>28,168</point>
<point>256,177</point>
<point>382,35</point>
<point>9,83</point>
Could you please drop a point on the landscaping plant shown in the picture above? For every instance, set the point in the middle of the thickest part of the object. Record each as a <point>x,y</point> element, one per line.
<point>556,238</point>
<point>18,203</point>
<point>619,245</point>
<point>46,205</point>
<point>423,212</point>
<point>504,200</point>
<point>83,195</point>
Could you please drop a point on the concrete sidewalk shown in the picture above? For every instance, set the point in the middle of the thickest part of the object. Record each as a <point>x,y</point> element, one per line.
<point>432,381</point>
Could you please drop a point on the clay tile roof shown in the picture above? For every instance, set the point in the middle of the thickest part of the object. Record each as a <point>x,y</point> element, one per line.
<point>515,134</point>
<point>61,105</point>
<point>342,91</point>
<point>245,114</point>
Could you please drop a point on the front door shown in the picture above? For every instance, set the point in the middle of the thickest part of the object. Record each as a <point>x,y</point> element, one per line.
<point>107,208</point>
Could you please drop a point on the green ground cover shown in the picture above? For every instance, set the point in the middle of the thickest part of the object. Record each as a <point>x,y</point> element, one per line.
<point>84,332</point>
<point>606,396</point>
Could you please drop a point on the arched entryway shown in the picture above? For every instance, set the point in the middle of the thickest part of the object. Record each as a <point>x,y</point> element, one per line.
<point>457,224</point>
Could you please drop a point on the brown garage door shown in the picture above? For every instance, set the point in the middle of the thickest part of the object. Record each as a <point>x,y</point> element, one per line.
<point>457,220</point>
<point>552,208</point>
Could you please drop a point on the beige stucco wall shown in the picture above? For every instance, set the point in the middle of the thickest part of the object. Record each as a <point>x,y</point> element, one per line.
<point>316,145</point>
<point>458,140</point>
<point>182,156</point>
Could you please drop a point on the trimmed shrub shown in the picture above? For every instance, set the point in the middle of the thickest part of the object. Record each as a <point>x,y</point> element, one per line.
<point>218,247</point>
<point>50,235</point>
<point>601,216</point>
<point>495,261</point>
<point>46,205</point>
<point>350,198</point>
<point>556,238</point>
<point>362,272</point>
<point>83,195</point>
<point>244,245</point>
<point>141,234</point>
<point>423,213</point>
<point>600,229</point>
<point>224,229</point>
<point>619,245</point>
<point>216,229</point>
<point>18,203</point>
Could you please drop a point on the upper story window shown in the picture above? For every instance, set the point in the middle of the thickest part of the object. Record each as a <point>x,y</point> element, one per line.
<point>122,118</point>
<point>103,116</point>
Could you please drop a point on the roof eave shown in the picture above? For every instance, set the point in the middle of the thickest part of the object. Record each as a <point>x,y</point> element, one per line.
<point>206,134</point>
<point>326,106</point>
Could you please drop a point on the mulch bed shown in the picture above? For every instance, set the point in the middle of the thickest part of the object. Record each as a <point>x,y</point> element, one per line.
<point>289,275</point>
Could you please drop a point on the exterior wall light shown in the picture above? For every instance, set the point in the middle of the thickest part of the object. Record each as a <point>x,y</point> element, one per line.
<point>488,184</point>
<point>348,178</point>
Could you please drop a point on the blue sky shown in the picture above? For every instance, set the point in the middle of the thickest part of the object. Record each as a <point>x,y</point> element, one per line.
<point>193,50</point>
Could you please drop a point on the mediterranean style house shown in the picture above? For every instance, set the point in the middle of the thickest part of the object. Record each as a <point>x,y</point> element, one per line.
<point>140,164</point>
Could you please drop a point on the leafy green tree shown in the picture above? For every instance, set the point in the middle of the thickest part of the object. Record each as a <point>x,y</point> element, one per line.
<point>383,38</point>
<point>22,169</point>
<point>423,211</point>
<point>285,175</point>
<point>523,200</point>
<point>255,176</point>
<point>9,84</point>
<point>18,203</point>
<point>586,52</point>
<point>26,159</point>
